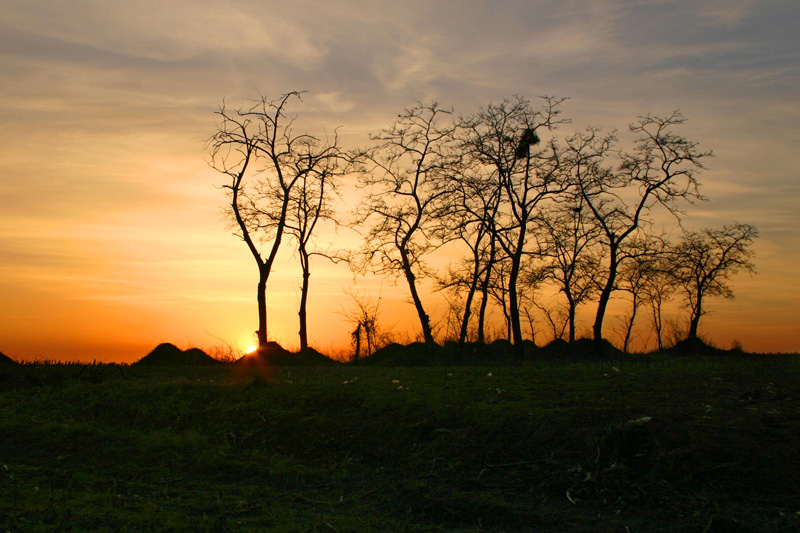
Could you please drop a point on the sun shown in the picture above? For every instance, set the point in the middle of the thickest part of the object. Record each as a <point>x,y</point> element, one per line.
<point>252,349</point>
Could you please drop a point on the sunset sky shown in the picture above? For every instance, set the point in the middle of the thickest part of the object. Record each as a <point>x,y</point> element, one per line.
<point>112,237</point>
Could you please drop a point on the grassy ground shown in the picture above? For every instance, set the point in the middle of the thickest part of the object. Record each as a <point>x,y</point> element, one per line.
<point>648,444</point>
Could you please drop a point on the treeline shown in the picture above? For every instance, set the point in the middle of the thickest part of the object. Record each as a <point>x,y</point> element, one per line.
<point>516,206</point>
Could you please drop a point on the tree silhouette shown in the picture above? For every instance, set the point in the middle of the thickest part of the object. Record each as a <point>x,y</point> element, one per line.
<point>494,138</point>
<point>264,161</point>
<point>660,171</point>
<point>658,292</point>
<point>569,237</point>
<point>475,201</point>
<point>706,260</point>
<point>364,319</point>
<point>405,179</point>
<point>637,274</point>
<point>318,166</point>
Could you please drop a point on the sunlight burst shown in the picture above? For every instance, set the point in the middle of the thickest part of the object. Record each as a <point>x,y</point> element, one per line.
<point>252,349</point>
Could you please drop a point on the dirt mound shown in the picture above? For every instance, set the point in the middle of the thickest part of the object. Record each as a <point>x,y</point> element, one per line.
<point>589,349</point>
<point>556,349</point>
<point>579,350</point>
<point>310,356</point>
<point>451,354</point>
<point>415,354</point>
<point>697,347</point>
<point>6,360</point>
<point>168,354</point>
<point>273,354</point>
<point>500,352</point>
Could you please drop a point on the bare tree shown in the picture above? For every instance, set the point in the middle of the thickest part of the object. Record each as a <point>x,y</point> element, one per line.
<point>705,262</point>
<point>498,291</point>
<point>557,319</point>
<point>657,291</point>
<point>637,273</point>
<point>475,202</point>
<point>660,171</point>
<point>405,176</point>
<point>570,236</point>
<point>501,143</point>
<point>364,319</point>
<point>263,160</point>
<point>318,166</point>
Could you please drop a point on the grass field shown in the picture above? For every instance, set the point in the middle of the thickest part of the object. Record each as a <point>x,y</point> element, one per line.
<point>642,444</point>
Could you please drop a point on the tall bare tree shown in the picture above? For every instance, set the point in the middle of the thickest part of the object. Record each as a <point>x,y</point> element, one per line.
<point>705,262</point>
<point>405,178</point>
<point>658,289</point>
<point>570,236</point>
<point>318,166</point>
<point>263,159</point>
<point>622,189</point>
<point>637,274</point>
<point>475,201</point>
<point>501,142</point>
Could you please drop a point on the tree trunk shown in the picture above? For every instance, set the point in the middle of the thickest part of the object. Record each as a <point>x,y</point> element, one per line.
<point>485,294</point>
<point>473,287</point>
<point>571,316</point>
<point>304,300</point>
<point>462,335</point>
<point>605,296</point>
<point>629,328</point>
<point>694,323</point>
<point>427,334</point>
<point>357,334</point>
<point>513,277</point>
<point>261,298</point>
<point>513,304</point>
<point>657,323</point>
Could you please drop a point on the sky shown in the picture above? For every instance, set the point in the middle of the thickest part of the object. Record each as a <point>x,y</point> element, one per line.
<point>112,232</point>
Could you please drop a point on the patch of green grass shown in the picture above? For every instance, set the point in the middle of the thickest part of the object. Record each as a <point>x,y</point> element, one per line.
<point>545,445</point>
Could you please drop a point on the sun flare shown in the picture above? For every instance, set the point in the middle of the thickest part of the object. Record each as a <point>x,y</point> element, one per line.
<point>252,349</point>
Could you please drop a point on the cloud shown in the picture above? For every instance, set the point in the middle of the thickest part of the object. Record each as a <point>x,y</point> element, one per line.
<point>727,13</point>
<point>165,32</point>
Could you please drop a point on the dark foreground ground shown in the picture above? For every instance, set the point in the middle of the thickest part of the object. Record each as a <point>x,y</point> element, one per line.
<point>651,444</point>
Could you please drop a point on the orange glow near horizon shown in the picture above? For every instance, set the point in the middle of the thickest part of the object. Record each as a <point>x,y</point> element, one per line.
<point>107,331</point>
<point>112,286</point>
<point>112,238</point>
<point>113,290</point>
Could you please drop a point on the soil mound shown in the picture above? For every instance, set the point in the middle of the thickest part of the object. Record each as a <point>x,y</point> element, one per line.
<point>579,350</point>
<point>273,354</point>
<point>697,347</point>
<point>167,354</point>
<point>588,349</point>
<point>500,348</point>
<point>6,360</point>
<point>500,352</point>
<point>556,349</point>
<point>415,354</point>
